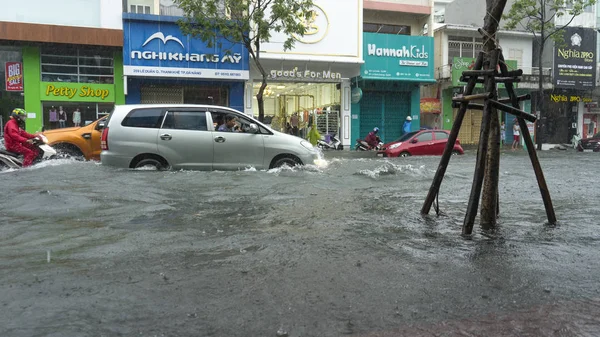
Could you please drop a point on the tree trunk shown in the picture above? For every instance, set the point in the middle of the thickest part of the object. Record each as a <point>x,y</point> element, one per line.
<point>489,199</point>
<point>261,100</point>
<point>263,86</point>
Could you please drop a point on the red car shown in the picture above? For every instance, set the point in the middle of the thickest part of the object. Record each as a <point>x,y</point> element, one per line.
<point>419,143</point>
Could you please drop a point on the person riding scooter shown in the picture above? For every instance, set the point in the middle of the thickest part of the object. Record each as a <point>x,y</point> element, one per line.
<point>372,139</point>
<point>18,140</point>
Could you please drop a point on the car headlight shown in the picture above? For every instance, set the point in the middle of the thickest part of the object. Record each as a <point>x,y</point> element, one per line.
<point>308,146</point>
<point>394,146</point>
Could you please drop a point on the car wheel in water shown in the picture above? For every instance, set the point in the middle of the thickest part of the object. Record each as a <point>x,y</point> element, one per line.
<point>404,154</point>
<point>289,161</point>
<point>150,164</point>
<point>68,152</point>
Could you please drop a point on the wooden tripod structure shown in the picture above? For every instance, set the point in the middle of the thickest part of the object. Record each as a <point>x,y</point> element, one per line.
<point>489,69</point>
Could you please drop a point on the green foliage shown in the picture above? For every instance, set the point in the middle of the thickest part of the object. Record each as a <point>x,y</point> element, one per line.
<point>249,22</point>
<point>538,16</point>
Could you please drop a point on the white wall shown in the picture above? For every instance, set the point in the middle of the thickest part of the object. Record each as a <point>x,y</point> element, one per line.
<point>513,46</point>
<point>79,13</point>
<point>338,36</point>
<point>585,20</point>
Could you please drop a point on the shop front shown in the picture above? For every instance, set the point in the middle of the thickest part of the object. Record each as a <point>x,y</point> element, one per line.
<point>471,125</point>
<point>66,86</point>
<point>388,89</point>
<point>162,65</point>
<point>310,84</point>
<point>299,93</point>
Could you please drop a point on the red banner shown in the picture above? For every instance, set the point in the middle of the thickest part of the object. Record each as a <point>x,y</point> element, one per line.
<point>14,76</point>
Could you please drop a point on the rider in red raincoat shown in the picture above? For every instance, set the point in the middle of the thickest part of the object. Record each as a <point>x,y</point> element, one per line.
<point>18,140</point>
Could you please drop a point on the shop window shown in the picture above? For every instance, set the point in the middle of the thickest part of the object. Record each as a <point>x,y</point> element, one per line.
<point>88,113</point>
<point>84,65</point>
<point>386,29</point>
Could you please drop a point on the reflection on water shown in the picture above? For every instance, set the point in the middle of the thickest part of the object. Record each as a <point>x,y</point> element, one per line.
<point>315,251</point>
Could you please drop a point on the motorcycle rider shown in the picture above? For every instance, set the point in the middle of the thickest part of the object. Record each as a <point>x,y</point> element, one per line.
<point>372,139</point>
<point>18,140</point>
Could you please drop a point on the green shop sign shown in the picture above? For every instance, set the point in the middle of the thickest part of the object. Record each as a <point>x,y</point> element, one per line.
<point>460,64</point>
<point>397,57</point>
<point>77,92</point>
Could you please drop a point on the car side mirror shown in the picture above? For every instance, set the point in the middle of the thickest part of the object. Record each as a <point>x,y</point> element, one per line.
<point>414,140</point>
<point>101,125</point>
<point>252,128</point>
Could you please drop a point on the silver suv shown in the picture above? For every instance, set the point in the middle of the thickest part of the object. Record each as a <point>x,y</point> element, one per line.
<point>187,137</point>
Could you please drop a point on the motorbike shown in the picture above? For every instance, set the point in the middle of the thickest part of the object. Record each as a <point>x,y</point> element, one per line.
<point>13,160</point>
<point>362,145</point>
<point>334,144</point>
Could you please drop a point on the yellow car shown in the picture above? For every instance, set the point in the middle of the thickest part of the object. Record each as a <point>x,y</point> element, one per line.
<point>78,142</point>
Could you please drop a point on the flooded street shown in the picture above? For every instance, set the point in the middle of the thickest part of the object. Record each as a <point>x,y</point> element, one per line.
<point>88,250</point>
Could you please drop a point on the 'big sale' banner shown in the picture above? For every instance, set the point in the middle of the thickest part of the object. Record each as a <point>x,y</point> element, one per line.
<point>14,76</point>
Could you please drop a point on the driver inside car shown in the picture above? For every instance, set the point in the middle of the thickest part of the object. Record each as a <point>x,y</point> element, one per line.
<point>230,124</point>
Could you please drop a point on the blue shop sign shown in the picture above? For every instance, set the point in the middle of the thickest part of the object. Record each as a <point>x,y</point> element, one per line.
<point>160,49</point>
<point>397,57</point>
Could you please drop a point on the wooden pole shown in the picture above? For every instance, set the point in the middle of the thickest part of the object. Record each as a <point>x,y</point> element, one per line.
<point>537,168</point>
<point>473,204</point>
<point>443,165</point>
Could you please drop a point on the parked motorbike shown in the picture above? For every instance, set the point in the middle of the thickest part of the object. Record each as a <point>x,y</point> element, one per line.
<point>334,144</point>
<point>15,160</point>
<point>362,145</point>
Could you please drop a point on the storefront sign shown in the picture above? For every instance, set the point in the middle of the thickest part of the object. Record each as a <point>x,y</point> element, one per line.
<point>398,57</point>
<point>460,64</point>
<point>569,98</point>
<point>430,105</point>
<point>77,92</point>
<point>308,75</point>
<point>332,33</point>
<point>14,76</point>
<point>575,62</point>
<point>159,49</point>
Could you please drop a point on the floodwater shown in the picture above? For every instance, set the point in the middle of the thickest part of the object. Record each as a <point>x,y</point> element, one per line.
<point>88,250</point>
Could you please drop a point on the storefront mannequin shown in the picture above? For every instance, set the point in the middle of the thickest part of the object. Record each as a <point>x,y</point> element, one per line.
<point>62,117</point>
<point>53,117</point>
<point>77,117</point>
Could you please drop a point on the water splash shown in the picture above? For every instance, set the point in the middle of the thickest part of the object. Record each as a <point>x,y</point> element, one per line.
<point>389,168</point>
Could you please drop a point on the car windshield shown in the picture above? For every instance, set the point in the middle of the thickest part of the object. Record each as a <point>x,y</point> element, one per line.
<point>406,136</point>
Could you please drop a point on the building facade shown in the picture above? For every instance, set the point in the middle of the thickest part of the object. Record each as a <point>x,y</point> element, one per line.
<point>162,65</point>
<point>398,59</point>
<point>311,82</point>
<point>61,60</point>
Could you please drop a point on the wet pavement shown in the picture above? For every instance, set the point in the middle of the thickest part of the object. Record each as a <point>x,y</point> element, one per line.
<point>87,250</point>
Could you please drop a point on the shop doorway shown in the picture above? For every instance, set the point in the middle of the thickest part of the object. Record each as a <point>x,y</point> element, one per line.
<point>387,111</point>
<point>590,125</point>
<point>291,107</point>
<point>184,94</point>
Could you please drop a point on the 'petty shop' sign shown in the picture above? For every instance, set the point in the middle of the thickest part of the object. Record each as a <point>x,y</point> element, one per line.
<point>14,76</point>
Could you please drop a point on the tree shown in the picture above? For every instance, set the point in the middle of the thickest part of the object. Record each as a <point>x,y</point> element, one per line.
<point>247,22</point>
<point>538,17</point>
